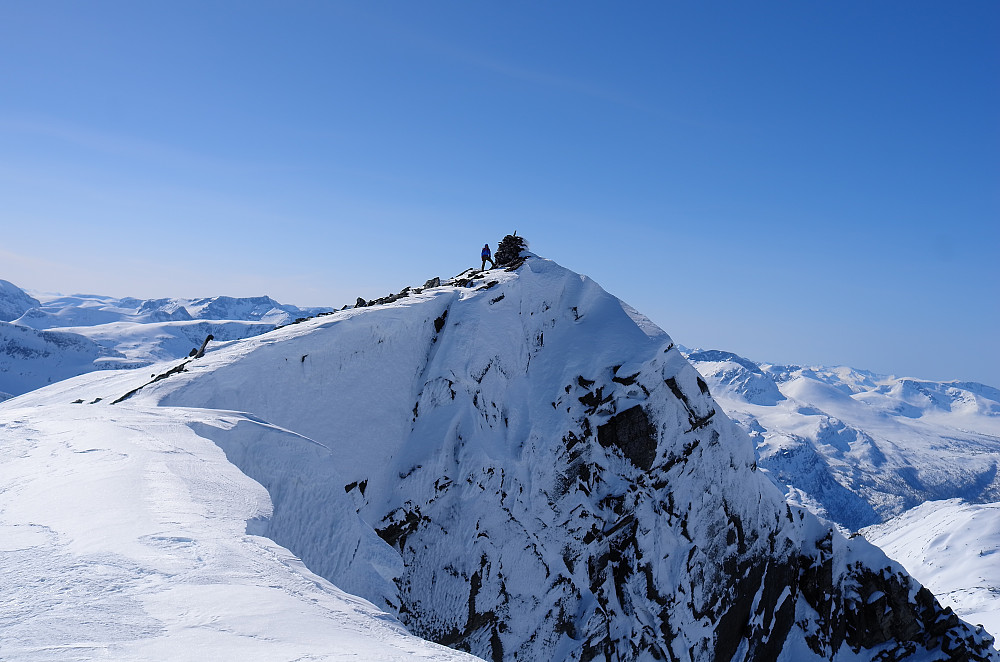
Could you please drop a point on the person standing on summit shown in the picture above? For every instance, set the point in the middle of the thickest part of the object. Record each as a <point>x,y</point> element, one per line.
<point>487,257</point>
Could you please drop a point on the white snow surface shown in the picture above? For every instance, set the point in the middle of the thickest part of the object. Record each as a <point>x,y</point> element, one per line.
<point>124,534</point>
<point>953,548</point>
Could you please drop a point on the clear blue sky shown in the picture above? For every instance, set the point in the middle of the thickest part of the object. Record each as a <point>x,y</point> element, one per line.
<point>798,182</point>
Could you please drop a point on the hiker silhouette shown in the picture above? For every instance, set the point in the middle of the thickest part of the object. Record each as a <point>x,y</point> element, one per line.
<point>487,257</point>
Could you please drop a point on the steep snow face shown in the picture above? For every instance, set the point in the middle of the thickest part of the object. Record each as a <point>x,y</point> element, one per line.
<point>14,301</point>
<point>125,534</point>
<point>556,480</point>
<point>857,447</point>
<point>952,547</point>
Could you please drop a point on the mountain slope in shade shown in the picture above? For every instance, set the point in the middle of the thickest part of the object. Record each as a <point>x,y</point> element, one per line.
<point>14,301</point>
<point>30,359</point>
<point>554,478</point>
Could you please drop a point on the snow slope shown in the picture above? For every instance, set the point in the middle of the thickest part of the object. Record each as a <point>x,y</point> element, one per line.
<point>953,547</point>
<point>548,478</point>
<point>124,534</point>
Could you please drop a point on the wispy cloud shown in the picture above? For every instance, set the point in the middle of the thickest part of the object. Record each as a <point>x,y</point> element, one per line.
<point>584,88</point>
<point>587,88</point>
<point>123,146</point>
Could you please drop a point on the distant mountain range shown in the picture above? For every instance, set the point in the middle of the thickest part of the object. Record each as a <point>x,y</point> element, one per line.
<point>44,341</point>
<point>860,448</point>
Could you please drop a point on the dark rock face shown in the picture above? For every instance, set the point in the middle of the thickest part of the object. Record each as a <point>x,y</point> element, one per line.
<point>631,432</point>
<point>509,250</point>
<point>645,546</point>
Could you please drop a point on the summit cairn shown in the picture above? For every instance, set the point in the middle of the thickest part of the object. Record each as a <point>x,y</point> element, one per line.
<point>509,251</point>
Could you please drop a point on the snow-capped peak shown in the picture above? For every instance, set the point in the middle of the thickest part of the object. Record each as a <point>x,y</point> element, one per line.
<point>514,466</point>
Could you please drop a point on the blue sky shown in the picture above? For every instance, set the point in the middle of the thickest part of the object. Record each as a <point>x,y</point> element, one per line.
<point>798,182</point>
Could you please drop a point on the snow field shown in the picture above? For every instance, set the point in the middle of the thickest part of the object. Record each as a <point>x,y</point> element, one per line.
<point>124,537</point>
<point>953,547</point>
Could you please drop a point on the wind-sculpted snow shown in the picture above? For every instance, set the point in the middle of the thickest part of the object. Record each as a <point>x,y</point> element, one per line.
<point>311,512</point>
<point>556,480</point>
<point>125,535</point>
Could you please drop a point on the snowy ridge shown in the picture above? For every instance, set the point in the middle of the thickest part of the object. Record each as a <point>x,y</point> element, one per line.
<point>555,479</point>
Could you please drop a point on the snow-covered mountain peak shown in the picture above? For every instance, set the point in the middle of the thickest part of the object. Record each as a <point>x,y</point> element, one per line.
<point>14,301</point>
<point>551,476</point>
<point>737,377</point>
